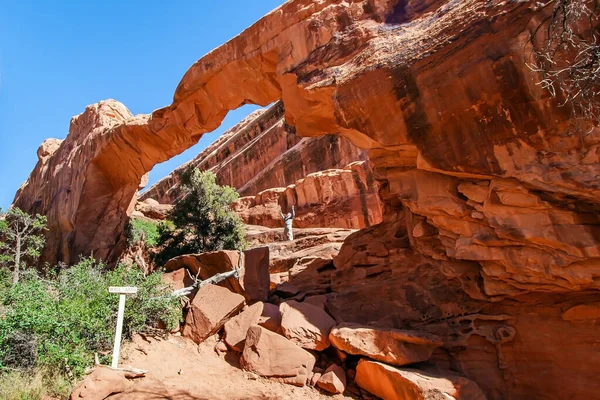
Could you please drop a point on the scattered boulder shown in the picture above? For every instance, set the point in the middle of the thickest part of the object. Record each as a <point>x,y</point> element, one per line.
<point>255,277</point>
<point>206,265</point>
<point>211,308</point>
<point>333,380</point>
<point>237,327</point>
<point>392,383</point>
<point>315,378</point>
<point>271,355</point>
<point>270,318</point>
<point>178,279</point>
<point>100,384</point>
<point>392,346</point>
<point>306,325</point>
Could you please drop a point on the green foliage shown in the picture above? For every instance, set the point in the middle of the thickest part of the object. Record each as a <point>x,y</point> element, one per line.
<point>58,323</point>
<point>21,239</point>
<point>138,229</point>
<point>17,385</point>
<point>203,220</point>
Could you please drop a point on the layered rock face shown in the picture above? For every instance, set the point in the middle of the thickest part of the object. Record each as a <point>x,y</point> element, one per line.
<point>490,235</point>
<point>259,153</point>
<point>337,198</point>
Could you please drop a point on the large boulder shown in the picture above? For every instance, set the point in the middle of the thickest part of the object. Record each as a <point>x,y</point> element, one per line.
<point>271,355</point>
<point>211,308</point>
<point>270,318</point>
<point>392,346</point>
<point>306,325</point>
<point>253,282</point>
<point>255,277</point>
<point>333,379</point>
<point>237,327</point>
<point>391,383</point>
<point>100,384</point>
<point>178,279</point>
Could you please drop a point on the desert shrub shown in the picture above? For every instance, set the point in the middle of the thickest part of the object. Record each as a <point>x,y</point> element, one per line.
<point>71,315</point>
<point>203,220</point>
<point>138,228</point>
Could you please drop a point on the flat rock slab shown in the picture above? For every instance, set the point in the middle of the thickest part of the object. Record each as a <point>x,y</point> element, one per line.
<point>211,308</point>
<point>306,325</point>
<point>237,327</point>
<point>271,355</point>
<point>392,346</point>
<point>255,278</point>
<point>392,383</point>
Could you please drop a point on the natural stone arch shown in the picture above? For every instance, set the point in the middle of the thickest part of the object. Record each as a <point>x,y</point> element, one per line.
<point>346,67</point>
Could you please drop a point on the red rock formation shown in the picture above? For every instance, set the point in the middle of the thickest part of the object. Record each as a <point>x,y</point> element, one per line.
<point>271,355</point>
<point>491,227</point>
<point>409,384</point>
<point>259,153</point>
<point>212,306</point>
<point>336,198</point>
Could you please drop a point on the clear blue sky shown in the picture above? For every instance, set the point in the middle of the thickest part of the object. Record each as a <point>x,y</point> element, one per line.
<point>56,57</point>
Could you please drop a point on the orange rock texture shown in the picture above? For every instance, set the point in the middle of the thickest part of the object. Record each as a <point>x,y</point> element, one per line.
<point>490,237</point>
<point>336,198</point>
<point>259,153</point>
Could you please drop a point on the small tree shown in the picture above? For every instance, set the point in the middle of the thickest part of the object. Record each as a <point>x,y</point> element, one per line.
<point>21,239</point>
<point>203,220</point>
<point>566,49</point>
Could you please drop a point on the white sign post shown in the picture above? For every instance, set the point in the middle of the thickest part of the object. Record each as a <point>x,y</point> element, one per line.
<point>122,292</point>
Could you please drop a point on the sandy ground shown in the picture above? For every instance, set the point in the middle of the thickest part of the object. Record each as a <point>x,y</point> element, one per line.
<point>181,370</point>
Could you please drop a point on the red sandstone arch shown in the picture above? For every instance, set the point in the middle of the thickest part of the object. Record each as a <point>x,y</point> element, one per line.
<point>492,201</point>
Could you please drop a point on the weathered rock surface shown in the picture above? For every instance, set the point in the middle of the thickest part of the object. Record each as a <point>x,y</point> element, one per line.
<point>271,355</point>
<point>255,276</point>
<point>270,318</point>
<point>237,327</point>
<point>333,379</point>
<point>259,153</point>
<point>392,346</point>
<point>100,384</point>
<point>407,384</point>
<point>490,230</point>
<point>211,308</point>
<point>306,325</point>
<point>178,279</point>
<point>152,209</point>
<point>336,198</point>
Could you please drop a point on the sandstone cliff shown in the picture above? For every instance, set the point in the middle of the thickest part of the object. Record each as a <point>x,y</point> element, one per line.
<point>336,198</point>
<point>490,236</point>
<point>259,153</point>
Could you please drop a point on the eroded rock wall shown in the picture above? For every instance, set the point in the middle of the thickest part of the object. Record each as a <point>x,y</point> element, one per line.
<point>259,153</point>
<point>335,198</point>
<point>490,230</point>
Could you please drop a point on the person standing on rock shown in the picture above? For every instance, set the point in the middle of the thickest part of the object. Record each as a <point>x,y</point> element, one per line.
<point>287,220</point>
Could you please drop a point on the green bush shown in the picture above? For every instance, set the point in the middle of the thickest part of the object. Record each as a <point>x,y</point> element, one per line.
<point>138,228</point>
<point>203,220</point>
<point>60,321</point>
